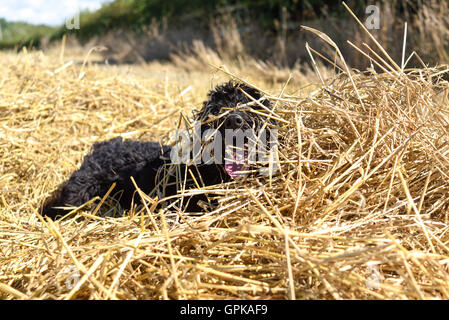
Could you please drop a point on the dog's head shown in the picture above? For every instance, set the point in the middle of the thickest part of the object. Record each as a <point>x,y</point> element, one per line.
<point>240,123</point>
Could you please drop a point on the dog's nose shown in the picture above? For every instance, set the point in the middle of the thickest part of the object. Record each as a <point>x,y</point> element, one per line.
<point>234,121</point>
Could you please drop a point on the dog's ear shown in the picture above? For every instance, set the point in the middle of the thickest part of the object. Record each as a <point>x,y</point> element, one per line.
<point>254,93</point>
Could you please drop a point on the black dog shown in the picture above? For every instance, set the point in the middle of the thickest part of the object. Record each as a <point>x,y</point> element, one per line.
<point>229,107</point>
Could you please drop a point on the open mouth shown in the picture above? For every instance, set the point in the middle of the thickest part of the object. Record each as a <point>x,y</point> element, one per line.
<point>236,161</point>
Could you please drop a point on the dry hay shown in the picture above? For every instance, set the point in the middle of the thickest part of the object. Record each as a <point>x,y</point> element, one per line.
<point>358,209</point>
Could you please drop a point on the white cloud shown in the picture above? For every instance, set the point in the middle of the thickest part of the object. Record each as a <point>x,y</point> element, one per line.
<point>51,12</point>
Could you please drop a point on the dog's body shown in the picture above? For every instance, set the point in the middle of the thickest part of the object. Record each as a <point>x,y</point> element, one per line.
<point>113,161</point>
<point>149,163</point>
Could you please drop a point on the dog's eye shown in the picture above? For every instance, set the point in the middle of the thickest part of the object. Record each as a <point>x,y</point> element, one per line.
<point>215,110</point>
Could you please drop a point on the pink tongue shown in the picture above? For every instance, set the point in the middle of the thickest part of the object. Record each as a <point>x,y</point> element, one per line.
<point>236,165</point>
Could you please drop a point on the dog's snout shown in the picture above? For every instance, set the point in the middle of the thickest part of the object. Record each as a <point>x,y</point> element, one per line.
<point>234,121</point>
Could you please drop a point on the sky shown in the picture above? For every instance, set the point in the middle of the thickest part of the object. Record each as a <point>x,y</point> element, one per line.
<point>49,12</point>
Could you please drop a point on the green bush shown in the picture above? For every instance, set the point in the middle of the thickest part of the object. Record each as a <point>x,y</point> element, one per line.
<point>17,34</point>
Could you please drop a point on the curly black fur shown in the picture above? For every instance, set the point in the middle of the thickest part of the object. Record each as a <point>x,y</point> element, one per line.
<point>116,160</point>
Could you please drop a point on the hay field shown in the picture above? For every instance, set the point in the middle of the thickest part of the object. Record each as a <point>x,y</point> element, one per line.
<point>358,210</point>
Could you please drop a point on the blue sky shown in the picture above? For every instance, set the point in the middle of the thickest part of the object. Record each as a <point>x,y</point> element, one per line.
<point>50,12</point>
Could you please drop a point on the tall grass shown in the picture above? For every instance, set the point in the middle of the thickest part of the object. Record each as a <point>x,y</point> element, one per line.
<point>234,35</point>
<point>137,31</point>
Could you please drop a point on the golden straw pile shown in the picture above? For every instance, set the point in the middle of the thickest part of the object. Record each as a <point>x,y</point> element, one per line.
<point>357,210</point>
